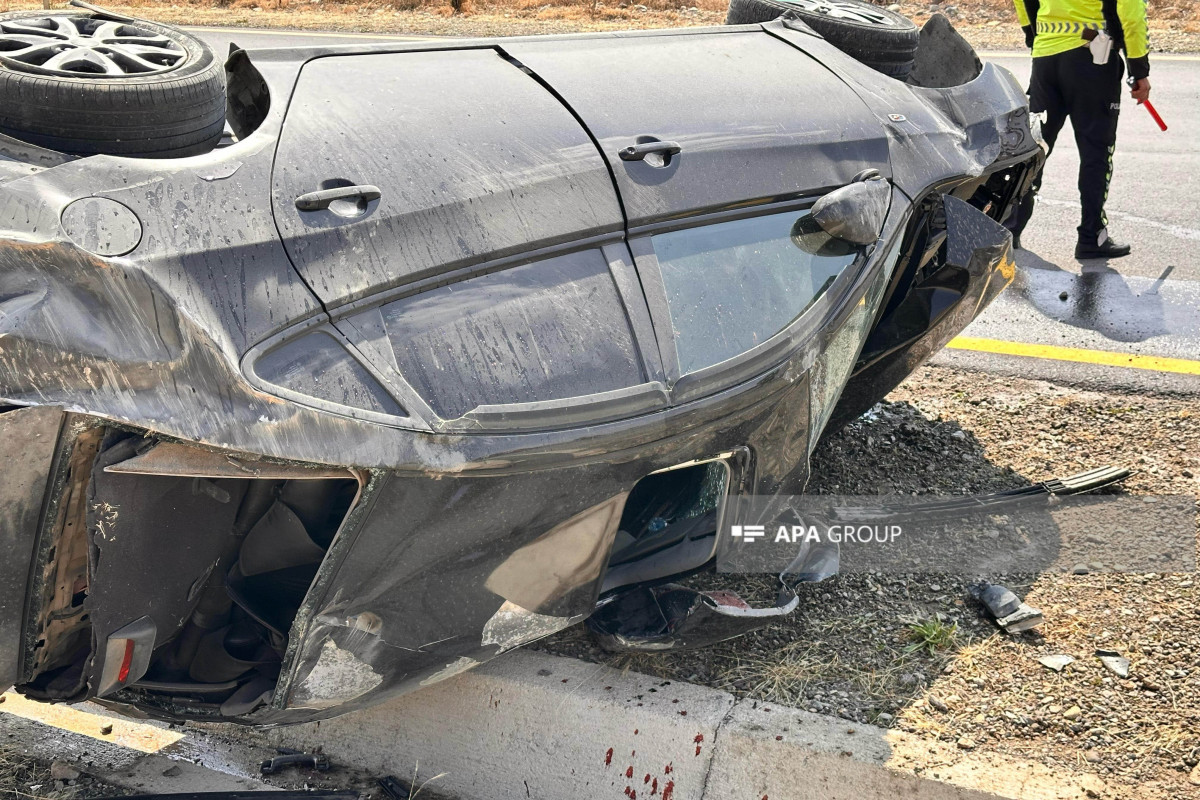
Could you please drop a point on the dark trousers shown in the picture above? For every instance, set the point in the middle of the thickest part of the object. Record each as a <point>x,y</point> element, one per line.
<point>1069,85</point>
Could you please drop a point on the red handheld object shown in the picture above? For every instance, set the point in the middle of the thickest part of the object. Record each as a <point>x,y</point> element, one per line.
<point>1150,107</point>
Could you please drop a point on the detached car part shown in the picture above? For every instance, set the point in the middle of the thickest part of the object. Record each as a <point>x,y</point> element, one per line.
<point>443,349</point>
<point>1010,613</point>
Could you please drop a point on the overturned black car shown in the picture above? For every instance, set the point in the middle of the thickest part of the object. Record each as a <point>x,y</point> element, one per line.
<point>429,350</point>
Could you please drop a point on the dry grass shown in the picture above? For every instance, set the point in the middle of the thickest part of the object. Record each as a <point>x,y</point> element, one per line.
<point>23,778</point>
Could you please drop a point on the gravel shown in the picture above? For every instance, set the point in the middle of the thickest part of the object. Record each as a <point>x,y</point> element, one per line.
<point>849,650</point>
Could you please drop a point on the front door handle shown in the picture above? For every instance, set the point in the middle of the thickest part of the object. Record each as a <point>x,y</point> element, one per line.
<point>315,201</point>
<point>638,152</point>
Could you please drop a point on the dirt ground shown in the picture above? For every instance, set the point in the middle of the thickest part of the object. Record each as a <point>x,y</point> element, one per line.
<point>988,24</point>
<point>854,648</point>
<point>23,778</point>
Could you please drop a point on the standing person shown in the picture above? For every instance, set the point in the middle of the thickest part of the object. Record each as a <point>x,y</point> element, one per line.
<point>1077,73</point>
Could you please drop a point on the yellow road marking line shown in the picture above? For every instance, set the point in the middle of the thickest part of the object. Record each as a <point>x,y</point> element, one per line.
<point>1101,357</point>
<point>320,34</point>
<point>134,735</point>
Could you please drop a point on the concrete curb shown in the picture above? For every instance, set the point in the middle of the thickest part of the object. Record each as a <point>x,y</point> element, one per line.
<point>530,725</point>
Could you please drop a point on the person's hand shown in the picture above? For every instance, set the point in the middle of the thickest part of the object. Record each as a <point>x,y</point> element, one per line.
<point>1140,90</point>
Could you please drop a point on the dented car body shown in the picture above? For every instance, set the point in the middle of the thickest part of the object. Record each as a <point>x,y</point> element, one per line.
<point>455,342</point>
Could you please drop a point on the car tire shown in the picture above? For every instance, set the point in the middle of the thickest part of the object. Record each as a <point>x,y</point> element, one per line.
<point>163,96</point>
<point>881,39</point>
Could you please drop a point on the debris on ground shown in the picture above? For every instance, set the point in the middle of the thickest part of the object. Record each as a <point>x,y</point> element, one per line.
<point>1056,662</point>
<point>953,432</point>
<point>1115,662</point>
<point>294,758</point>
<point>1010,613</point>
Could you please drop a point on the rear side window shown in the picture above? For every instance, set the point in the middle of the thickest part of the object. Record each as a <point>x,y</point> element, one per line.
<point>550,330</point>
<point>734,285</point>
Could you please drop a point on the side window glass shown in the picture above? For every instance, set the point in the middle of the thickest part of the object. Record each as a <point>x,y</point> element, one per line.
<point>550,330</point>
<point>733,285</point>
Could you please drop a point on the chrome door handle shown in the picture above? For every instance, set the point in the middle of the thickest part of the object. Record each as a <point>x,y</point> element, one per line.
<point>638,152</point>
<point>315,201</point>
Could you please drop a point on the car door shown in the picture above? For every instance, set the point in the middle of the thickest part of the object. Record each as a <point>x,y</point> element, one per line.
<point>465,236</point>
<point>755,119</point>
<point>436,161</point>
<point>719,142</point>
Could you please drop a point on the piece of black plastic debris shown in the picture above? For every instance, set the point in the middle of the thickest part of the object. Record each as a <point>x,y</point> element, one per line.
<point>949,507</point>
<point>674,617</point>
<point>395,788</point>
<point>1056,662</point>
<point>1114,662</point>
<point>290,758</point>
<point>1011,614</point>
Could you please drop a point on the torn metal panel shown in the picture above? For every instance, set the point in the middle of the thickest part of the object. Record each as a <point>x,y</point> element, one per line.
<point>965,262</point>
<point>337,677</point>
<point>512,626</point>
<point>934,134</point>
<point>173,458</point>
<point>30,437</point>
<point>545,573</point>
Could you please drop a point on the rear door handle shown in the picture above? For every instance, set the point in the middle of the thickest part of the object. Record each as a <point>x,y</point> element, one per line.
<point>638,152</point>
<point>315,201</point>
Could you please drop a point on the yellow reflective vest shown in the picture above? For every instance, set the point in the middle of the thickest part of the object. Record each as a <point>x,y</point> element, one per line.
<point>1061,23</point>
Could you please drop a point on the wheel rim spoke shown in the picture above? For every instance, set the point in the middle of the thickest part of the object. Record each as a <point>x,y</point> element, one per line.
<point>65,25</point>
<point>16,42</point>
<point>84,61</point>
<point>835,10</point>
<point>18,27</point>
<point>134,61</point>
<point>34,54</point>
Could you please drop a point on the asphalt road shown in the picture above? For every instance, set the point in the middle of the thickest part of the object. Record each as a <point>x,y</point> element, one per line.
<point>1063,319</point>
<point>1147,304</point>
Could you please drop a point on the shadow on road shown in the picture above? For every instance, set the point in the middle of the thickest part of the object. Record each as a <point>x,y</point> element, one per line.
<point>1100,299</point>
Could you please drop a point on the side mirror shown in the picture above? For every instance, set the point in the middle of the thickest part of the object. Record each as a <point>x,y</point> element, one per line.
<point>855,213</point>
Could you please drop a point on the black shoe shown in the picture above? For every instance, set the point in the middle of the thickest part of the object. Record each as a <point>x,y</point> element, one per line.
<point>1101,247</point>
<point>1017,241</point>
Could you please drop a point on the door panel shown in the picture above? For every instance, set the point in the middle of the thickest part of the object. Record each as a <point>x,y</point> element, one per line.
<point>754,118</point>
<point>472,160</point>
